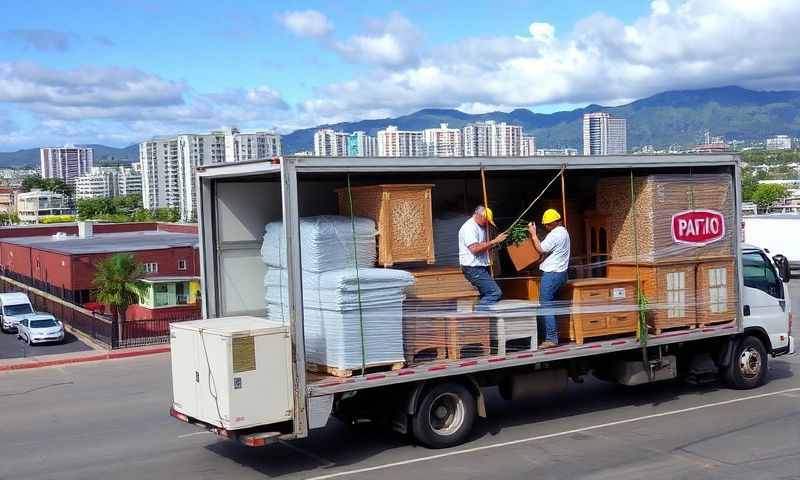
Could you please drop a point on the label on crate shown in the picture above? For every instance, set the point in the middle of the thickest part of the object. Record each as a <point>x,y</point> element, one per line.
<point>618,292</point>
<point>698,227</point>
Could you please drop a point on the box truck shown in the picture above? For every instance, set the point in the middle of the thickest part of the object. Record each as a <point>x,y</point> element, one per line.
<point>660,286</point>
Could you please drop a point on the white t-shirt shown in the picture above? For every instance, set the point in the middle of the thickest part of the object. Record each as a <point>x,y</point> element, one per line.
<point>556,243</point>
<point>468,234</point>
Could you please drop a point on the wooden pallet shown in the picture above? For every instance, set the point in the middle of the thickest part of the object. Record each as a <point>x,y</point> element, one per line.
<point>718,322</point>
<point>349,372</point>
<point>659,331</point>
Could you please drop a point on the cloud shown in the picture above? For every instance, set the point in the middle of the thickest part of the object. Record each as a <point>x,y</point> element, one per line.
<point>104,41</point>
<point>389,42</point>
<point>306,23</point>
<point>689,44</point>
<point>41,39</point>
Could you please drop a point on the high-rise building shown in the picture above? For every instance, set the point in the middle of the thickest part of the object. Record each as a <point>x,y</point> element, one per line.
<point>129,181</point>
<point>604,134</point>
<point>67,163</point>
<point>330,143</point>
<point>168,165</point>
<point>528,146</point>
<point>398,143</point>
<point>107,182</point>
<point>779,142</point>
<point>359,144</point>
<point>442,141</point>
<point>492,139</point>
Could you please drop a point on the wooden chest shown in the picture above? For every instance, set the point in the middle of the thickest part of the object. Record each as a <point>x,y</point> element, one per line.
<point>519,288</point>
<point>402,214</point>
<point>601,307</point>
<point>716,291</point>
<point>669,288</point>
<point>440,283</point>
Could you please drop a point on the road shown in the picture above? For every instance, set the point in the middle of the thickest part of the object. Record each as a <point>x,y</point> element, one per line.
<point>11,347</point>
<point>109,420</point>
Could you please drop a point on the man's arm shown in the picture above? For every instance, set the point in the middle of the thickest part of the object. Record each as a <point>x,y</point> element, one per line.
<point>480,247</point>
<point>535,238</point>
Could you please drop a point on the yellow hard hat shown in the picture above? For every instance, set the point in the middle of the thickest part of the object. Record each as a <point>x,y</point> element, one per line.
<point>550,216</point>
<point>489,215</point>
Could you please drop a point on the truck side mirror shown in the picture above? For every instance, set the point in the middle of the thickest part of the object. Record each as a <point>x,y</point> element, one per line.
<point>782,264</point>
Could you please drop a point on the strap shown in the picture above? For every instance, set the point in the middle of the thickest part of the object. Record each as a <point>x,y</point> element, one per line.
<point>358,280</point>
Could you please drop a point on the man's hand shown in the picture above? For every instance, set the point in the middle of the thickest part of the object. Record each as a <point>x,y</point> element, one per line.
<point>500,238</point>
<point>532,229</point>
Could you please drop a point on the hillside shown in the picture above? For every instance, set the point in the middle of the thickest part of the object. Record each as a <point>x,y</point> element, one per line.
<point>102,153</point>
<point>675,117</point>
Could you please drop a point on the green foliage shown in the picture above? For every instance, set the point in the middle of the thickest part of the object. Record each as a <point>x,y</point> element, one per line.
<point>46,184</point>
<point>116,209</point>
<point>771,157</point>
<point>7,218</point>
<point>166,214</point>
<point>57,219</point>
<point>517,234</point>
<point>766,195</point>
<point>118,282</point>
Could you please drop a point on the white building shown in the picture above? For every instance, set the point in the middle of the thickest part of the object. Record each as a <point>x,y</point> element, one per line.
<point>33,205</point>
<point>442,141</point>
<point>168,165</point>
<point>779,142</point>
<point>557,152</point>
<point>67,163</point>
<point>492,139</point>
<point>528,146</point>
<point>604,134</point>
<point>107,182</point>
<point>129,182</point>
<point>329,143</point>
<point>359,144</point>
<point>398,143</point>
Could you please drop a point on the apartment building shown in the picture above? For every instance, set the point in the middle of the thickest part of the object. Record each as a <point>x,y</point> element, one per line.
<point>528,146</point>
<point>477,139</point>
<point>107,182</point>
<point>66,163</point>
<point>604,134</point>
<point>442,141</point>
<point>330,143</point>
<point>359,144</point>
<point>399,143</point>
<point>492,139</point>
<point>779,142</point>
<point>33,205</point>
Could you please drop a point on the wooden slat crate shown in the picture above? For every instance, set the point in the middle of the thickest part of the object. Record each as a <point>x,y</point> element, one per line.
<point>467,336</point>
<point>424,338</point>
<point>604,296</point>
<point>716,291</point>
<point>403,215</point>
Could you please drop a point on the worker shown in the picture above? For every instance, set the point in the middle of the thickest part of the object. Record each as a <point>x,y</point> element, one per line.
<point>473,254</point>
<point>554,269</point>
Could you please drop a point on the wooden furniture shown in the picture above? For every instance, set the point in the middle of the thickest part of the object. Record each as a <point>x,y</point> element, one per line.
<point>402,214</point>
<point>440,282</point>
<point>519,288</point>
<point>514,320</point>
<point>596,245</point>
<point>600,307</point>
<point>468,335</point>
<point>670,290</point>
<point>716,291</point>
<point>424,338</point>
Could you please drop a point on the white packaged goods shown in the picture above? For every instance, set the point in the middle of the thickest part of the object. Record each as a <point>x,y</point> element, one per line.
<point>232,372</point>
<point>333,314</point>
<point>326,243</point>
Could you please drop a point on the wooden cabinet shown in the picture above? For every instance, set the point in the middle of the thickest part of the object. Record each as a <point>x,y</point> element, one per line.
<point>600,307</point>
<point>519,288</point>
<point>440,283</point>
<point>596,245</point>
<point>403,216</point>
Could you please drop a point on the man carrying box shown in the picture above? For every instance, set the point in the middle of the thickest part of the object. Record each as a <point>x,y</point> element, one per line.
<point>554,268</point>
<point>473,255</point>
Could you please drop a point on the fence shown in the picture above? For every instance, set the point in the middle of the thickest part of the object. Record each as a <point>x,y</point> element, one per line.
<point>101,328</point>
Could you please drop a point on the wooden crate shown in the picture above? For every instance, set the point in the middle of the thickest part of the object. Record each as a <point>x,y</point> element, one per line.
<point>520,288</point>
<point>403,216</point>
<point>608,308</point>
<point>424,338</point>
<point>440,283</point>
<point>716,291</point>
<point>669,288</point>
<point>467,335</point>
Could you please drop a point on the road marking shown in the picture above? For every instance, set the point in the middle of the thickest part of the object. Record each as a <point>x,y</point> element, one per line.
<point>193,434</point>
<point>791,395</point>
<point>553,435</point>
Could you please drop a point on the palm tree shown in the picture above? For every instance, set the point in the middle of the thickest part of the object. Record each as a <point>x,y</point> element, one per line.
<point>118,284</point>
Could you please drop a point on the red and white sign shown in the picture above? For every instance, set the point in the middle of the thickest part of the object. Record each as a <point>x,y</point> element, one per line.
<point>698,227</point>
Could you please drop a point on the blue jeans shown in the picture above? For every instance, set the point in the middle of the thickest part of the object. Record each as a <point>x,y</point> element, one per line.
<point>548,291</point>
<point>481,279</point>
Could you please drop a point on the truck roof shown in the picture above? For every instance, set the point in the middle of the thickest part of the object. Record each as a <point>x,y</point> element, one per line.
<point>13,298</point>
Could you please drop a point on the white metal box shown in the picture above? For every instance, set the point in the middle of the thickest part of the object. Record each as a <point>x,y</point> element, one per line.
<point>232,372</point>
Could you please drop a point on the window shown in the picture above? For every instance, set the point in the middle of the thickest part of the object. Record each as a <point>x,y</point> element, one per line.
<point>718,290</point>
<point>759,274</point>
<point>181,264</point>
<point>676,294</point>
<point>151,267</point>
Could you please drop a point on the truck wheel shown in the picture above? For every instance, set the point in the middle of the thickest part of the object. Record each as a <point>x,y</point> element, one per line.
<point>748,368</point>
<point>445,416</point>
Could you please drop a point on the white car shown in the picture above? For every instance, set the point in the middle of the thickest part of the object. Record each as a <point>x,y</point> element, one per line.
<point>40,329</point>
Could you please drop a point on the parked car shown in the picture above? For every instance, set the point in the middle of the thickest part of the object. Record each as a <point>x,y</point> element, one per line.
<point>40,329</point>
<point>14,307</point>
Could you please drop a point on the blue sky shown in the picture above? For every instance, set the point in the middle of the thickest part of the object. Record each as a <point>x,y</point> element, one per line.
<point>117,72</point>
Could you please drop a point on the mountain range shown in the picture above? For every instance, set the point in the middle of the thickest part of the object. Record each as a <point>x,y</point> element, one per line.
<point>674,117</point>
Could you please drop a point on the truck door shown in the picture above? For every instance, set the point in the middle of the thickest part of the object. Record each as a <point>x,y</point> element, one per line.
<point>764,299</point>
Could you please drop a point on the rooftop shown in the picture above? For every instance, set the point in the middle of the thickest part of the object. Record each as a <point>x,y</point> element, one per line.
<point>108,242</point>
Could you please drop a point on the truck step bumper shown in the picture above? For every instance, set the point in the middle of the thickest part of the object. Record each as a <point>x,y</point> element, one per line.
<point>249,439</point>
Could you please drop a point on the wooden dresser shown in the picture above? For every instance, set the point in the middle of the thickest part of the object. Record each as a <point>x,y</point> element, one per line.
<point>600,307</point>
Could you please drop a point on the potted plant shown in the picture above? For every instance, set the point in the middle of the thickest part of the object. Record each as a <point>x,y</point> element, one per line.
<point>520,246</point>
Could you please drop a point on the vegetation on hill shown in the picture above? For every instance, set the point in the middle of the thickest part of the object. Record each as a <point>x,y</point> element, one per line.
<point>123,209</point>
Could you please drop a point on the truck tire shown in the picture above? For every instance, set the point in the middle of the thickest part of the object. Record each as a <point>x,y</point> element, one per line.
<point>445,416</point>
<point>748,367</point>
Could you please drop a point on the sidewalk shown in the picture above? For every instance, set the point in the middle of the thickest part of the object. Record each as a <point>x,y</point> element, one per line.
<point>78,357</point>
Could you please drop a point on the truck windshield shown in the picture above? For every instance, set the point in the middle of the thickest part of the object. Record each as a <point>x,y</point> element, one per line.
<point>19,309</point>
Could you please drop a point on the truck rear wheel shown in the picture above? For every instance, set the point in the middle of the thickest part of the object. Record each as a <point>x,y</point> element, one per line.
<point>748,368</point>
<point>445,416</point>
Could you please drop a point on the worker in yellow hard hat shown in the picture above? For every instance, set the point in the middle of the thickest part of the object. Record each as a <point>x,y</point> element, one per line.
<point>555,247</point>
<point>473,254</point>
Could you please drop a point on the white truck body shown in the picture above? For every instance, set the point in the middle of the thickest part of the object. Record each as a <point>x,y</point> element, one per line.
<point>236,201</point>
<point>777,233</point>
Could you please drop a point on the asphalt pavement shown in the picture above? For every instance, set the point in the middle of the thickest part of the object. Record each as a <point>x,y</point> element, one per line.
<point>12,347</point>
<point>110,420</point>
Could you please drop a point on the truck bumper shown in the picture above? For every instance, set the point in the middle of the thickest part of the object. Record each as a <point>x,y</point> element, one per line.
<point>791,346</point>
<point>250,437</point>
